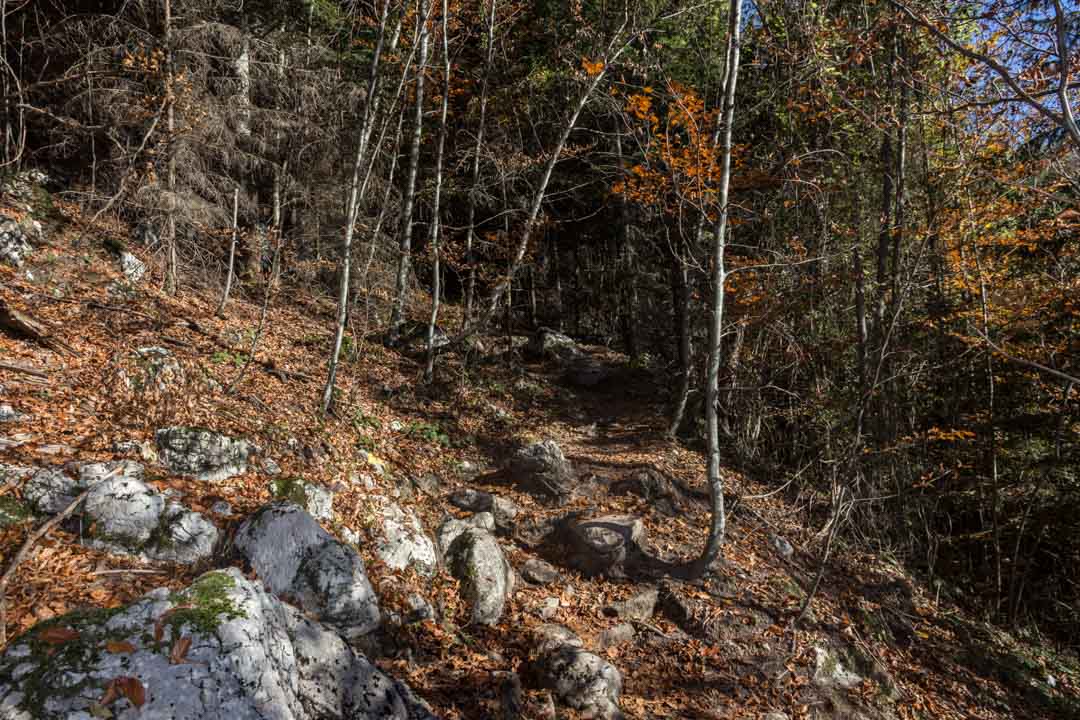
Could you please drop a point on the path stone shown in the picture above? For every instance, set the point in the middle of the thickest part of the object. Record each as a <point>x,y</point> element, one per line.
<point>542,469</point>
<point>474,557</point>
<point>580,679</point>
<point>539,572</point>
<point>605,545</point>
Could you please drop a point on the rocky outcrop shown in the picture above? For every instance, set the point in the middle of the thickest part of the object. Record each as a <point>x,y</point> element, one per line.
<point>296,558</point>
<point>223,649</point>
<point>541,469</point>
<point>580,679</point>
<point>640,606</point>
<point>474,557</point>
<point>202,454</point>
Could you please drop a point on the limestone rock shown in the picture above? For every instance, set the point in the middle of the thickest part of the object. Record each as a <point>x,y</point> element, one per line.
<point>539,572</point>
<point>546,343</point>
<point>404,541</point>
<point>133,268</point>
<point>604,545</point>
<point>295,557</point>
<point>476,560</point>
<point>580,679</point>
<point>15,239</point>
<point>638,607</point>
<point>126,516</point>
<point>250,656</point>
<point>202,454</point>
<point>316,499</point>
<point>542,469</point>
<point>829,672</point>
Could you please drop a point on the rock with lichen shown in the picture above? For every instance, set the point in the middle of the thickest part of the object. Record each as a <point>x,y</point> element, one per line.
<point>222,649</point>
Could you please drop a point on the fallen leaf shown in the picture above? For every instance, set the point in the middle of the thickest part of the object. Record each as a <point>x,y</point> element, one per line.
<point>58,635</point>
<point>119,647</point>
<point>132,689</point>
<point>180,650</point>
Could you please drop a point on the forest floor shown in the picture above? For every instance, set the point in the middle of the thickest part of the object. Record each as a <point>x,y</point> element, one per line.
<point>735,655</point>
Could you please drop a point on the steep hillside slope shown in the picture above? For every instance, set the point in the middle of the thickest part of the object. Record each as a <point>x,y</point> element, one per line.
<point>118,361</point>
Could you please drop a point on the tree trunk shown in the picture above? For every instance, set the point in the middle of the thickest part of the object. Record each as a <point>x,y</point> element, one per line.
<point>470,232</point>
<point>397,310</point>
<point>232,254</point>
<point>712,379</point>
<point>680,298</point>
<point>171,280</point>
<point>350,223</point>
<point>436,281</point>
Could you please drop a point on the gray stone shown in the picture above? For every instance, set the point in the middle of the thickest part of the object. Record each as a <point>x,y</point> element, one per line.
<point>549,608</point>
<point>505,512</point>
<point>616,635</point>
<point>221,507</point>
<point>202,454</point>
<point>605,544</point>
<point>638,607</point>
<point>10,414</point>
<point>134,269</point>
<point>250,657</point>
<point>15,240</point>
<point>127,516</point>
<point>782,546</point>
<point>580,679</point>
<point>124,511</point>
<point>542,469</point>
<point>50,490</point>
<point>539,572</point>
<point>270,467</point>
<point>546,343</point>
<point>316,499</point>
<point>476,560</point>
<point>829,671</point>
<point>471,500</point>
<point>295,557</point>
<point>404,541</point>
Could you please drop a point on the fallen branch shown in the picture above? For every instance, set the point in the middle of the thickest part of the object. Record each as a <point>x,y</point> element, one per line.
<point>21,324</point>
<point>24,370</point>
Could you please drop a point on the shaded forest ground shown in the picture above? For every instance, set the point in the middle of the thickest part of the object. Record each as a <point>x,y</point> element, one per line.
<point>734,655</point>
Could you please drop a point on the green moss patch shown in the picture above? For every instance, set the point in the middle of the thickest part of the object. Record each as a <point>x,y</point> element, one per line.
<point>206,604</point>
<point>13,512</point>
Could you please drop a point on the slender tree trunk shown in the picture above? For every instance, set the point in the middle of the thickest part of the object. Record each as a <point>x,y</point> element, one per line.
<point>353,208</point>
<point>717,523</point>
<point>171,280</point>
<point>860,327</point>
<point>397,310</point>
<point>232,254</point>
<point>470,231</point>
<point>680,298</point>
<point>436,282</point>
